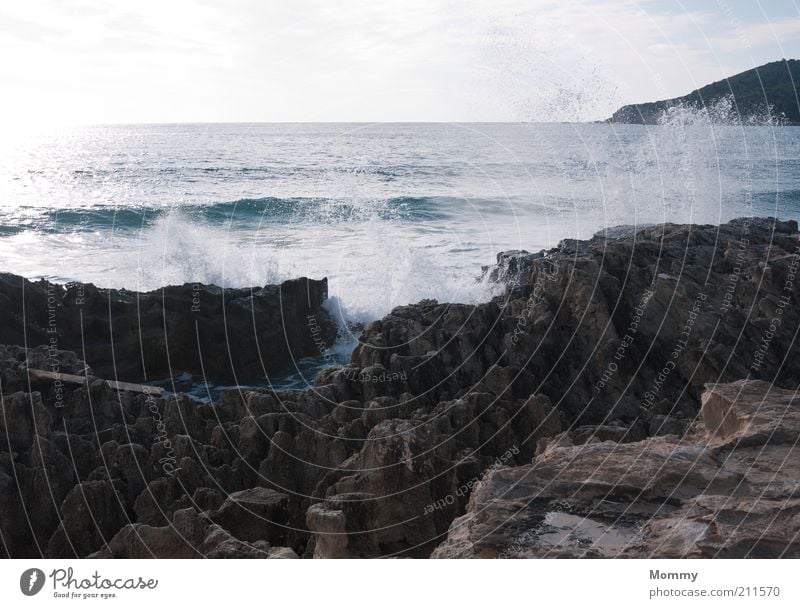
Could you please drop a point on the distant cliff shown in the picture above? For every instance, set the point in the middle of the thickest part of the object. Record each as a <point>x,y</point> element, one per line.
<point>772,85</point>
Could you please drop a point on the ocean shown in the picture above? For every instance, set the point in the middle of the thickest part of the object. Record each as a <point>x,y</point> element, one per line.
<point>390,213</point>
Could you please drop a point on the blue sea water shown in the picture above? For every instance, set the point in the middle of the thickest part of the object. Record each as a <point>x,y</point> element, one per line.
<point>390,213</point>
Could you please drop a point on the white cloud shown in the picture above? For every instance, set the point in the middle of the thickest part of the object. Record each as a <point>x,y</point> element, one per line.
<point>196,60</point>
<point>772,33</point>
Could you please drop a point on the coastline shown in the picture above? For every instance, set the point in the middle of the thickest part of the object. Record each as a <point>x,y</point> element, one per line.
<point>599,352</point>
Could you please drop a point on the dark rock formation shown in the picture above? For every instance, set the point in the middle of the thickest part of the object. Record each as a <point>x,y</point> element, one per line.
<point>227,335</point>
<point>189,535</point>
<point>569,404</point>
<point>622,331</point>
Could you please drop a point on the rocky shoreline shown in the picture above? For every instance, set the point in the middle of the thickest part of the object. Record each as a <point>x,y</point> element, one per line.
<point>632,395</point>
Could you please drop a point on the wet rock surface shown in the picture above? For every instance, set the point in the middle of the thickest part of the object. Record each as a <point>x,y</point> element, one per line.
<point>609,404</point>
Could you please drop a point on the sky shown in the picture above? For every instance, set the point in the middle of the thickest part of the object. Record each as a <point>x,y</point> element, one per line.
<point>120,61</point>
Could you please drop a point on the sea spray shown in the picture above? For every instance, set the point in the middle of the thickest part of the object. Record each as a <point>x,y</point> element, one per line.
<point>391,214</point>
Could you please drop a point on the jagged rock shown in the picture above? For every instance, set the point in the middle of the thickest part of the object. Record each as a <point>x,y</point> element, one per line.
<point>180,539</point>
<point>225,334</point>
<point>189,535</point>
<point>255,514</point>
<point>91,514</point>
<point>236,549</point>
<point>23,416</point>
<point>381,496</point>
<point>331,538</point>
<point>157,502</point>
<point>595,324</point>
<point>750,413</point>
<point>544,417</point>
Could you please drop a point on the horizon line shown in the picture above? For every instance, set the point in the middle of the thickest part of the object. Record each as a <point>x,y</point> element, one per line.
<point>46,125</point>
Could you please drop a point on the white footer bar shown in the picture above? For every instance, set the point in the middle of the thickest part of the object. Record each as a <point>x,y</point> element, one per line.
<point>389,583</point>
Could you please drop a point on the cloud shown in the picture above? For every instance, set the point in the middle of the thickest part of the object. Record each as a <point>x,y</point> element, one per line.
<point>772,33</point>
<point>208,60</point>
